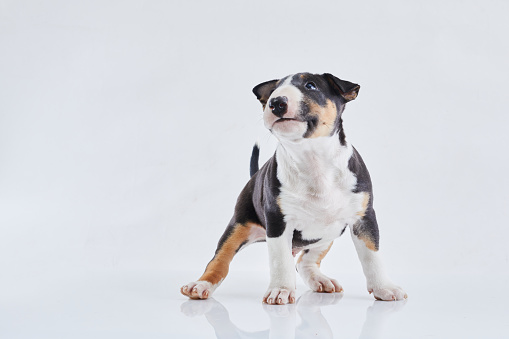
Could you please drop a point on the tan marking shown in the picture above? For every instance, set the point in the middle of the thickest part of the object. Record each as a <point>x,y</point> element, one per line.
<point>352,94</point>
<point>300,257</point>
<point>278,202</point>
<point>365,202</point>
<point>322,255</point>
<point>326,118</point>
<point>218,268</point>
<point>369,243</point>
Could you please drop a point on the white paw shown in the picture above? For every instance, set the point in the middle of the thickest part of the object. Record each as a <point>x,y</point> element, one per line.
<point>321,283</point>
<point>279,296</point>
<point>387,292</point>
<point>198,289</point>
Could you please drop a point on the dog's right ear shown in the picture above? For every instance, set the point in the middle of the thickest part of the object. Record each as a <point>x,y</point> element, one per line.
<point>264,90</point>
<point>348,90</point>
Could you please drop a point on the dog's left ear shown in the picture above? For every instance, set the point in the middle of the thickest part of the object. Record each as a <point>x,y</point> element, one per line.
<point>346,89</point>
<point>264,90</point>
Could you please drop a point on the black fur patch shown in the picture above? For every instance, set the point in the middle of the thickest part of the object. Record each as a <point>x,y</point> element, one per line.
<point>258,201</point>
<point>274,219</point>
<point>338,127</point>
<point>312,122</point>
<point>244,209</point>
<point>255,155</point>
<point>299,242</point>
<point>356,166</point>
<point>323,90</point>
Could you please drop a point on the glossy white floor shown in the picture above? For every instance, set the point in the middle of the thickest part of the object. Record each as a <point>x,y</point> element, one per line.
<point>147,304</point>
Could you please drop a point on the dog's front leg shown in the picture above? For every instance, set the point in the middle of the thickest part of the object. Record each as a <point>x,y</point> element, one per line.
<point>365,239</point>
<point>282,272</point>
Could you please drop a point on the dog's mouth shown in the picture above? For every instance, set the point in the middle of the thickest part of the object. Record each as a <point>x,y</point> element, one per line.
<point>285,119</point>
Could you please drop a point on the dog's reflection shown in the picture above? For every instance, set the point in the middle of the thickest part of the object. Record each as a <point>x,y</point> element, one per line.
<point>283,318</point>
<point>376,315</point>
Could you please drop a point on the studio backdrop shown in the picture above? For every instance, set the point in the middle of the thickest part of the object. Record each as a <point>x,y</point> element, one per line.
<point>126,128</point>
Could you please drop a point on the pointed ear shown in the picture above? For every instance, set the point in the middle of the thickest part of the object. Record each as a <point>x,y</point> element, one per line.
<point>346,89</point>
<point>264,90</point>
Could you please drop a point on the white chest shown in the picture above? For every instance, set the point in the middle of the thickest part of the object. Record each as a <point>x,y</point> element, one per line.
<point>316,195</point>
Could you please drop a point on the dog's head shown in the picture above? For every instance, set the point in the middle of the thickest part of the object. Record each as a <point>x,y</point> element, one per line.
<point>305,105</point>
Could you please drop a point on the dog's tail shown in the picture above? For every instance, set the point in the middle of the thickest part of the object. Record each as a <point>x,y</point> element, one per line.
<point>254,159</point>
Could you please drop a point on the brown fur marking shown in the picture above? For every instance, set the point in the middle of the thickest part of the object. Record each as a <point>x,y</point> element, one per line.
<point>300,257</point>
<point>365,202</point>
<point>369,243</point>
<point>218,267</point>
<point>350,95</point>
<point>322,255</point>
<point>326,118</point>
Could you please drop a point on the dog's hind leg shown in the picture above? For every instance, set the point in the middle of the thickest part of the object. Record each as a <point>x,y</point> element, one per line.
<point>236,237</point>
<point>308,266</point>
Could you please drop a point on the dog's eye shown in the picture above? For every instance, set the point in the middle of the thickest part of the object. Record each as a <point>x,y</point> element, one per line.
<point>311,85</point>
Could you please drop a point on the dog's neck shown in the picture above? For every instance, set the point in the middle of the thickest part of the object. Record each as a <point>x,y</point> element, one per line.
<point>313,160</point>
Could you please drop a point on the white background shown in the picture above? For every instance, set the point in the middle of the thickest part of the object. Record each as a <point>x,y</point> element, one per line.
<point>126,130</point>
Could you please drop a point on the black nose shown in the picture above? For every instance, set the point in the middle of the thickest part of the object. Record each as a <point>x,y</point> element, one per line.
<point>279,106</point>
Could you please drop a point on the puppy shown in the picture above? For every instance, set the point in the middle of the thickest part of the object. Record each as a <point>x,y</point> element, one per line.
<point>313,188</point>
